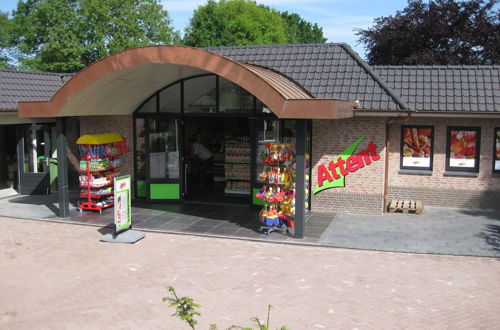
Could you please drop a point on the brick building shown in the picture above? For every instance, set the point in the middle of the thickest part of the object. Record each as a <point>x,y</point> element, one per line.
<point>435,129</point>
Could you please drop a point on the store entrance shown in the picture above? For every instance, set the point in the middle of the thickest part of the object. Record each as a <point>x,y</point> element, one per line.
<point>217,159</point>
<point>8,158</point>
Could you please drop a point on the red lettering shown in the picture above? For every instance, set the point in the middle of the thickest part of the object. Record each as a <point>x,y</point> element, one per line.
<point>363,155</point>
<point>352,164</point>
<point>340,164</point>
<point>323,175</point>
<point>372,151</point>
<point>332,166</point>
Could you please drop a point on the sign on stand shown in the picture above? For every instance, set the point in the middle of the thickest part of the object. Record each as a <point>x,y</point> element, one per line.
<point>123,203</point>
<point>123,214</point>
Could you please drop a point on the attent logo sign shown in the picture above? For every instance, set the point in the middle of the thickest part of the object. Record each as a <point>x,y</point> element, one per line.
<point>333,174</point>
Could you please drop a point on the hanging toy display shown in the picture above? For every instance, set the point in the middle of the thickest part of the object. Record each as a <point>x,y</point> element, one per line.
<point>278,193</point>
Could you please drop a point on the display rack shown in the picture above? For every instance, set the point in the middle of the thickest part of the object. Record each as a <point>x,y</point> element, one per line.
<point>278,191</point>
<point>237,165</point>
<point>99,161</point>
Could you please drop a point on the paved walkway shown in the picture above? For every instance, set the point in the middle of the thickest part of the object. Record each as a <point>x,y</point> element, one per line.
<point>438,231</point>
<point>58,276</point>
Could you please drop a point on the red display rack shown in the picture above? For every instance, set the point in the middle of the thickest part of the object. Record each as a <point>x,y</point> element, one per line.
<point>99,160</point>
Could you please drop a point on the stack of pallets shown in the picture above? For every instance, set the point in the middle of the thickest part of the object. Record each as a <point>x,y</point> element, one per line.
<point>406,206</point>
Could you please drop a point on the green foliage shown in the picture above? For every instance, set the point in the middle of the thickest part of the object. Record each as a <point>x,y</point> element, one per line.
<point>185,310</point>
<point>68,35</point>
<point>300,31</point>
<point>234,22</point>
<point>4,40</point>
<point>185,307</point>
<point>244,22</point>
<point>436,32</point>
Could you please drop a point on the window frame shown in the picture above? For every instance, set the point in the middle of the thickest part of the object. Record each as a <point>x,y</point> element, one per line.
<point>496,135</point>
<point>477,157</point>
<point>431,161</point>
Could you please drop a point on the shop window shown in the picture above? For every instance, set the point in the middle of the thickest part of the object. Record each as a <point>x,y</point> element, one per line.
<point>417,147</point>
<point>170,99</point>
<point>149,106</point>
<point>200,95</point>
<point>35,160</point>
<point>164,150</point>
<point>462,149</point>
<point>140,148</point>
<point>140,156</point>
<point>233,98</point>
<point>267,132</point>
<point>289,131</point>
<point>496,151</point>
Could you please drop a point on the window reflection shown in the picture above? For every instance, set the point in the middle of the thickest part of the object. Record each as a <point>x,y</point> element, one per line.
<point>200,95</point>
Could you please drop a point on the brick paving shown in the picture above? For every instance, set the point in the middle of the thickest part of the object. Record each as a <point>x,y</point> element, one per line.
<point>58,276</point>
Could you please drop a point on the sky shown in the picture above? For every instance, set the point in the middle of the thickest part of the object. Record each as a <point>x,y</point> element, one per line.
<point>338,18</point>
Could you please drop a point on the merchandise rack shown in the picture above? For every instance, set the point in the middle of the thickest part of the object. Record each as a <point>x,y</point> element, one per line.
<point>278,192</point>
<point>237,166</point>
<point>99,161</point>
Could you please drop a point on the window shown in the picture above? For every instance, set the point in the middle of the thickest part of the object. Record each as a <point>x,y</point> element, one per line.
<point>164,150</point>
<point>149,106</point>
<point>462,149</point>
<point>417,147</point>
<point>170,99</point>
<point>234,99</point>
<point>496,151</point>
<point>200,95</point>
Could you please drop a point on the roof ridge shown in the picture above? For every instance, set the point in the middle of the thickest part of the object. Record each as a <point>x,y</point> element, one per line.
<point>375,77</point>
<point>277,45</point>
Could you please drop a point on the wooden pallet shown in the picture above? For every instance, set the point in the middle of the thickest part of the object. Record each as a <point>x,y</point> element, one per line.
<point>406,206</point>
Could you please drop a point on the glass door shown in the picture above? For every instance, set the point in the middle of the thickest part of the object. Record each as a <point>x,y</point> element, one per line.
<point>33,163</point>
<point>163,179</point>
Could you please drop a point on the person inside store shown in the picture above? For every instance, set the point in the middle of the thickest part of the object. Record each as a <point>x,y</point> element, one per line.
<point>202,164</point>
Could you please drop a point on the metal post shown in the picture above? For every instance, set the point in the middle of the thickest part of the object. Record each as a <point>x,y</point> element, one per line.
<point>62,168</point>
<point>300,150</point>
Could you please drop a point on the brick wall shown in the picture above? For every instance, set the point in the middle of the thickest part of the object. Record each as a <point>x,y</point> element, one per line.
<point>112,124</point>
<point>363,191</point>
<point>478,192</point>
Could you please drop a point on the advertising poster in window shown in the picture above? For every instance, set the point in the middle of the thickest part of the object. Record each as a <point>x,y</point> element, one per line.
<point>497,150</point>
<point>417,147</point>
<point>463,148</point>
<point>123,214</point>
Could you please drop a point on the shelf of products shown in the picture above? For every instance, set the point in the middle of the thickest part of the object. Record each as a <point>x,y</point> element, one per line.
<point>99,159</point>
<point>237,165</point>
<point>278,193</point>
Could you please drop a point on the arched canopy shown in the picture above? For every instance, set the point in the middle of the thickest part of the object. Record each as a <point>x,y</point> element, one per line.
<point>119,83</point>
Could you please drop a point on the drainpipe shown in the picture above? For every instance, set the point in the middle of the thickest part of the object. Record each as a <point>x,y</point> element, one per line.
<point>387,153</point>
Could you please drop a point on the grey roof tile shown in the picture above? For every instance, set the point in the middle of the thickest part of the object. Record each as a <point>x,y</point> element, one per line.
<point>18,86</point>
<point>326,71</point>
<point>456,88</point>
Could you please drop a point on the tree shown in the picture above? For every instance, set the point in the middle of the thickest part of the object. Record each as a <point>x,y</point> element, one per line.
<point>234,22</point>
<point>436,32</point>
<point>4,32</point>
<point>300,31</point>
<point>68,35</point>
<point>244,22</point>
